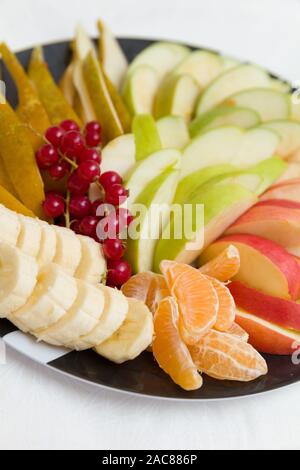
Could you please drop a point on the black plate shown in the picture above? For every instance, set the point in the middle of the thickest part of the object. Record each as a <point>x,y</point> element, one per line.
<point>141,376</point>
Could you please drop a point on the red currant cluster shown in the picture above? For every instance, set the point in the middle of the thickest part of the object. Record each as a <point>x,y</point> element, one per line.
<point>68,152</point>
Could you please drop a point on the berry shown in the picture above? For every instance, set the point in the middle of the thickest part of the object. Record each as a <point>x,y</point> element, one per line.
<point>119,271</point>
<point>116,194</point>
<point>54,135</point>
<point>113,248</point>
<point>75,226</point>
<point>92,126</point>
<point>89,171</point>
<point>110,226</point>
<point>59,170</point>
<point>79,206</point>
<point>124,216</point>
<point>109,178</point>
<point>91,155</point>
<point>69,125</point>
<point>46,156</point>
<point>77,185</point>
<point>72,144</point>
<point>55,193</point>
<point>95,205</point>
<point>88,226</point>
<point>93,138</point>
<point>53,206</point>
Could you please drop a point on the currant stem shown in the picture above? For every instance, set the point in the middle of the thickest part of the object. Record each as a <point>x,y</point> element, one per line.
<point>67,213</point>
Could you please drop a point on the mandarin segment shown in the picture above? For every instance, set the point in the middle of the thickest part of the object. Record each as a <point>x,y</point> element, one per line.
<point>239,332</point>
<point>226,311</point>
<point>226,357</point>
<point>224,266</point>
<point>169,350</point>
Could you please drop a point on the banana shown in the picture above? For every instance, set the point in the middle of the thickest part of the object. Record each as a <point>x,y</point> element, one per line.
<point>115,311</point>
<point>80,319</point>
<point>48,244</point>
<point>10,226</point>
<point>53,296</point>
<point>68,250</point>
<point>133,337</point>
<point>18,277</point>
<point>29,239</point>
<point>92,266</point>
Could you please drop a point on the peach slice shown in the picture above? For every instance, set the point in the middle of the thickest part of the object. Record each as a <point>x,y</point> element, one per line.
<point>267,337</point>
<point>265,265</point>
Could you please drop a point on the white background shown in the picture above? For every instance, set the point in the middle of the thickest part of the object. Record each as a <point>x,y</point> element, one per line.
<point>40,409</point>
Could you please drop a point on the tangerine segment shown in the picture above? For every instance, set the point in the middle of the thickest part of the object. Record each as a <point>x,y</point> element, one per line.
<point>171,270</point>
<point>224,266</point>
<point>227,357</point>
<point>169,350</point>
<point>226,311</point>
<point>239,332</point>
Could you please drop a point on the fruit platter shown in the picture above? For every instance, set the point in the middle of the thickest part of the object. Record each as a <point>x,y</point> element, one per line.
<point>150,217</point>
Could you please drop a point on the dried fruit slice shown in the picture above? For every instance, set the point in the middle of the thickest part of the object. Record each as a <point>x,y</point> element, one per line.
<point>9,201</point>
<point>5,181</point>
<point>169,350</point>
<point>57,107</point>
<point>226,357</point>
<point>226,311</point>
<point>30,109</point>
<point>224,266</point>
<point>239,332</point>
<point>196,297</point>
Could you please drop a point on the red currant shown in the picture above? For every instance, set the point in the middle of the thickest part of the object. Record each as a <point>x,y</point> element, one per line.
<point>54,135</point>
<point>119,271</point>
<point>77,185</point>
<point>95,205</point>
<point>59,170</point>
<point>110,226</point>
<point>72,144</point>
<point>91,155</point>
<point>113,248</point>
<point>109,178</point>
<point>79,206</point>
<point>116,194</point>
<point>124,216</point>
<point>75,226</point>
<point>55,193</point>
<point>53,206</point>
<point>89,171</point>
<point>46,156</point>
<point>69,125</point>
<point>93,126</point>
<point>88,226</point>
<point>93,138</point>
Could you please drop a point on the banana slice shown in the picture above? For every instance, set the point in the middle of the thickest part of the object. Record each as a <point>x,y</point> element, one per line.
<point>53,296</point>
<point>115,311</point>
<point>48,244</point>
<point>79,320</point>
<point>133,337</point>
<point>10,226</point>
<point>29,239</point>
<point>68,250</point>
<point>92,266</point>
<point>18,277</point>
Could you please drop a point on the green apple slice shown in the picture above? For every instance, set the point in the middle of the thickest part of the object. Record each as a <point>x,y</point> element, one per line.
<point>224,116</point>
<point>280,85</point>
<point>289,132</point>
<point>156,199</point>
<point>222,205</point>
<point>232,81</point>
<point>173,132</point>
<point>140,89</point>
<point>202,66</point>
<point>146,136</point>
<point>229,62</point>
<point>295,107</point>
<point>119,155</point>
<point>177,96</point>
<point>269,104</point>
<point>112,57</point>
<point>148,169</point>
<point>228,145</point>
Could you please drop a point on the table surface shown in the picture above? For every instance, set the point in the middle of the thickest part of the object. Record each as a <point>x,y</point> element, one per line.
<point>40,409</point>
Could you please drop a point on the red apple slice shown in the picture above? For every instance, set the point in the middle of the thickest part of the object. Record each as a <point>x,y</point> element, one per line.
<point>265,265</point>
<point>266,337</point>
<point>289,190</point>
<point>276,220</point>
<point>285,313</point>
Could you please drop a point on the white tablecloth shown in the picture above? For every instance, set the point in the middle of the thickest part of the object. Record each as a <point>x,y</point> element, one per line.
<point>41,409</point>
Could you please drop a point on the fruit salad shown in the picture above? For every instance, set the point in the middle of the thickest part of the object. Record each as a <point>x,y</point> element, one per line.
<point>114,153</point>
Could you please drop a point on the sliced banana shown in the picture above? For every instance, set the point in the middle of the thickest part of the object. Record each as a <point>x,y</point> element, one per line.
<point>92,266</point>
<point>115,311</point>
<point>29,239</point>
<point>133,337</point>
<point>68,250</point>
<point>18,277</point>
<point>10,226</point>
<point>48,244</point>
<point>79,320</point>
<point>53,296</point>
